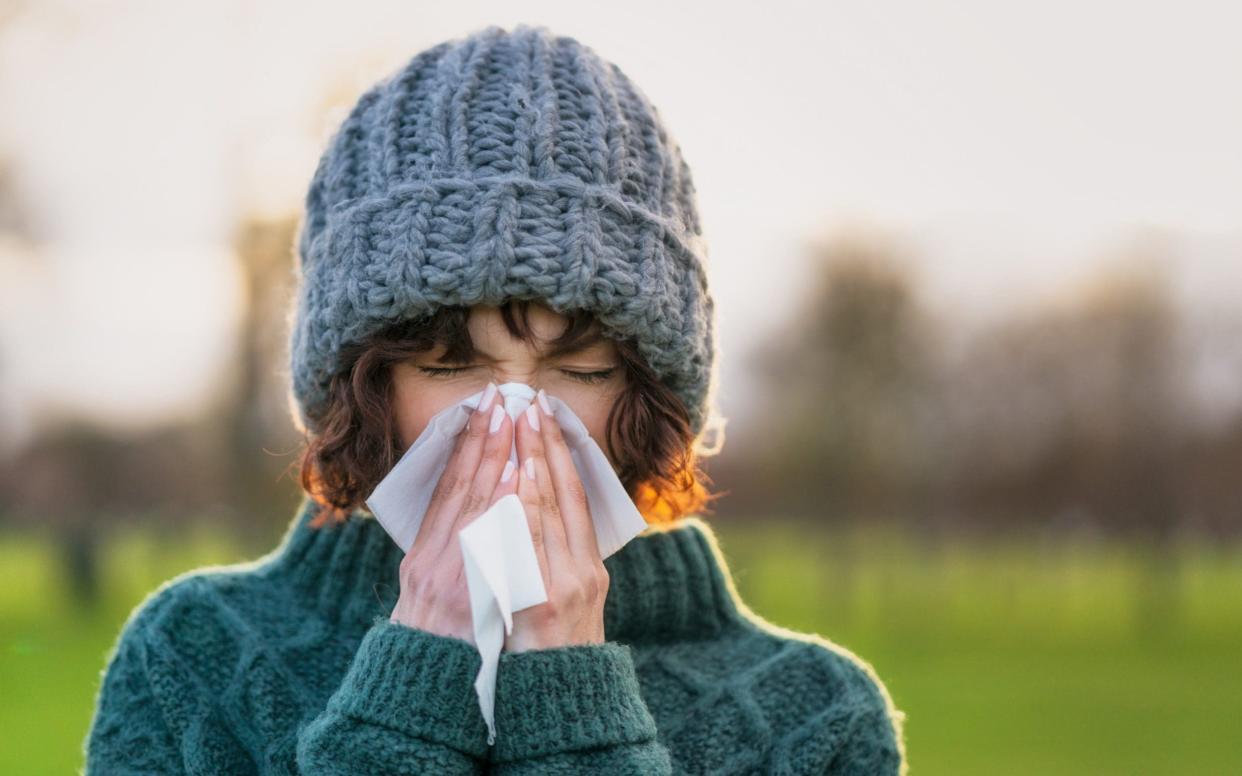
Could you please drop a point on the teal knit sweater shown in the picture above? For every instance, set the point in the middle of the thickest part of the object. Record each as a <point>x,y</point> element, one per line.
<point>290,665</point>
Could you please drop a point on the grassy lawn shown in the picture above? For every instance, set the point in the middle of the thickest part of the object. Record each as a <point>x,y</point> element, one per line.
<point>1021,657</point>
<point>1018,657</point>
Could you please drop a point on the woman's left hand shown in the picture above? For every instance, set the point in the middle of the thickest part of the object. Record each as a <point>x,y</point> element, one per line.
<point>560,523</point>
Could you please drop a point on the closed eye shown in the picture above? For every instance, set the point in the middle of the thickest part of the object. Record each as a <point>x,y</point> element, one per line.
<point>589,378</point>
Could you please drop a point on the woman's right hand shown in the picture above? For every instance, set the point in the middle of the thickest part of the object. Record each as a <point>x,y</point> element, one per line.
<point>434,596</point>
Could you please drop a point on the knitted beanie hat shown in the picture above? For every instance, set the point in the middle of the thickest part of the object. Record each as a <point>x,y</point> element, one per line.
<point>504,164</point>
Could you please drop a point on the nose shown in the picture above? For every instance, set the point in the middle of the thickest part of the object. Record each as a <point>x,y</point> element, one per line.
<point>500,377</point>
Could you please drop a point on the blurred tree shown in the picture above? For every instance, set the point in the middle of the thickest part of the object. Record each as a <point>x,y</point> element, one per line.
<point>252,415</point>
<point>842,428</point>
<point>79,480</point>
<point>229,462</point>
<point>1075,404</point>
<point>1081,407</point>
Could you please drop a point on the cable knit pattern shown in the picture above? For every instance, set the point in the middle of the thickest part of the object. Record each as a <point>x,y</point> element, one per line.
<point>504,164</point>
<point>290,665</point>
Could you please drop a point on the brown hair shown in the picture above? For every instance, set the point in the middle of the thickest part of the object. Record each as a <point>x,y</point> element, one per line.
<point>356,441</point>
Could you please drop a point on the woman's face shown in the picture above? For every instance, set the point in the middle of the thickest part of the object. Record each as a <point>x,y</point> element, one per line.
<point>589,380</point>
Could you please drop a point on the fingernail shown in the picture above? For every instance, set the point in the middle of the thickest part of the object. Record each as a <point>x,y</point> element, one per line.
<point>488,395</point>
<point>507,474</point>
<point>532,417</point>
<point>530,467</point>
<point>498,415</point>
<point>543,401</point>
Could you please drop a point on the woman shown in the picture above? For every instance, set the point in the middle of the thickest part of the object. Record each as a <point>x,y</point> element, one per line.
<point>506,207</point>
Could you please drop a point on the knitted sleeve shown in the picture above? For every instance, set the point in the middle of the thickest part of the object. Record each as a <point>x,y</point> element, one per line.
<point>406,705</point>
<point>574,709</point>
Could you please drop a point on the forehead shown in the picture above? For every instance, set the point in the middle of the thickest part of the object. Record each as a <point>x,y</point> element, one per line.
<point>490,336</point>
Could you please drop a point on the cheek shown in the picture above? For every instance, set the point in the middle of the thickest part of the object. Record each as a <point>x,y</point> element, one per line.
<point>592,407</point>
<point>415,402</point>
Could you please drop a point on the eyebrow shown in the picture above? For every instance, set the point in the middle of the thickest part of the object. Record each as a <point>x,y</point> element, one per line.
<point>587,342</point>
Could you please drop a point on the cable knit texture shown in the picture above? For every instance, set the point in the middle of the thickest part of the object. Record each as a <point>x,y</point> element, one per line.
<point>504,164</point>
<point>290,665</point>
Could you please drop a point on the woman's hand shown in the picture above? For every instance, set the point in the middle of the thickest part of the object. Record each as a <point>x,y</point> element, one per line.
<point>564,537</point>
<point>434,595</point>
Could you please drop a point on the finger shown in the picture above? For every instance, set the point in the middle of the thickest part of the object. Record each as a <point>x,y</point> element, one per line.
<point>528,493</point>
<point>454,482</point>
<point>496,451</point>
<point>567,483</point>
<point>508,481</point>
<point>531,453</point>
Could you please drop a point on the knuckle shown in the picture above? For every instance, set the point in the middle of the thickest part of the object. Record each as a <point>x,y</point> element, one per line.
<point>554,434</point>
<point>554,606</point>
<point>577,493</point>
<point>433,503</point>
<point>579,592</point>
<point>536,532</point>
<point>495,454</point>
<point>445,485</point>
<point>406,568</point>
<point>531,499</point>
<point>414,562</point>
<point>590,583</point>
<point>455,483</point>
<point>475,503</point>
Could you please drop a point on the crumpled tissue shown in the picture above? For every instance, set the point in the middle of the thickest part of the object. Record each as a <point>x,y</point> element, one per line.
<point>498,553</point>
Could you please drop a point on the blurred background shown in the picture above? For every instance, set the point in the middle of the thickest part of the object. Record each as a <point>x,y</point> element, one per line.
<point>979,279</point>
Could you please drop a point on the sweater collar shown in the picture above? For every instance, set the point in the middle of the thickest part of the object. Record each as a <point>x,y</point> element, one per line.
<point>668,583</point>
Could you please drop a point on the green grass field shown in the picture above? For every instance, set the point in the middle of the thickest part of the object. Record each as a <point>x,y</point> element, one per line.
<point>1008,658</point>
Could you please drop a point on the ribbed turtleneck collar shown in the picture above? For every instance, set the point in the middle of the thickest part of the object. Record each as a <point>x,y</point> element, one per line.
<point>667,584</point>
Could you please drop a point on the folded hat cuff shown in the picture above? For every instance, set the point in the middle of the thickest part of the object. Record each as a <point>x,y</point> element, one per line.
<point>375,260</point>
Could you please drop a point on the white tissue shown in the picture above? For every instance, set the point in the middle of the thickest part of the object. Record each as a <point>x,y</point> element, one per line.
<point>502,570</point>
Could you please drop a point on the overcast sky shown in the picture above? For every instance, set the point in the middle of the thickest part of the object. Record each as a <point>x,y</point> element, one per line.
<point>1011,146</point>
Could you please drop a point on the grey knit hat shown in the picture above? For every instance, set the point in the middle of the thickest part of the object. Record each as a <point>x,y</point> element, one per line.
<point>503,164</point>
